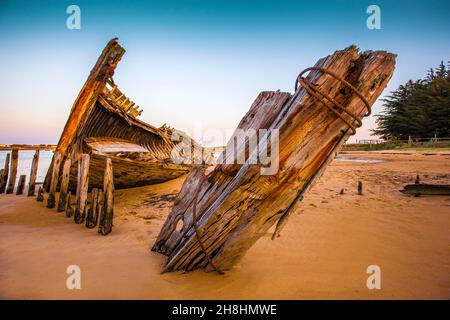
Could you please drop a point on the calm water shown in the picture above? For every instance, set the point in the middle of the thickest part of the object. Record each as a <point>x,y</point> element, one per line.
<point>25,159</point>
<point>360,160</point>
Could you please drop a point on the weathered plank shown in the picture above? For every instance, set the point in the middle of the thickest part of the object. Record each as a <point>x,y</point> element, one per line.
<point>82,189</point>
<point>64,186</point>
<point>92,216</point>
<point>40,195</point>
<point>13,171</point>
<point>426,189</point>
<point>5,174</point>
<point>21,185</point>
<point>233,205</point>
<point>106,219</point>
<point>56,163</point>
<point>33,174</point>
<point>69,211</point>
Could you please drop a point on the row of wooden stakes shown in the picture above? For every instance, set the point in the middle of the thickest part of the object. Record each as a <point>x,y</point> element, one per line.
<point>101,202</point>
<point>10,171</point>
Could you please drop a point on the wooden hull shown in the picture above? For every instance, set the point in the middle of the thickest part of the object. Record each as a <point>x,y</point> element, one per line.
<point>128,173</point>
<point>103,123</point>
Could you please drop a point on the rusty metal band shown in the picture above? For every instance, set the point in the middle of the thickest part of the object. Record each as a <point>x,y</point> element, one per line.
<point>313,90</point>
<point>197,232</point>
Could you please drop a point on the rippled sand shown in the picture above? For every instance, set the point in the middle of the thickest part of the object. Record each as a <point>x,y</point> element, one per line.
<point>322,253</point>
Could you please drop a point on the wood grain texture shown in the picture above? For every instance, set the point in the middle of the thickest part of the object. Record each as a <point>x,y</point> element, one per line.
<point>13,171</point>
<point>106,220</point>
<point>33,174</point>
<point>5,174</point>
<point>64,186</point>
<point>82,189</point>
<point>236,203</point>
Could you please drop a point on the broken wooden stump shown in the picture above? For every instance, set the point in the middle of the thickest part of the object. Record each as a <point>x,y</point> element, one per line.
<point>92,216</point>
<point>13,171</point>
<point>5,174</point>
<point>69,211</point>
<point>33,174</point>
<point>82,189</point>
<point>54,180</point>
<point>360,188</point>
<point>106,219</point>
<point>21,185</point>
<point>40,195</point>
<point>64,186</point>
<point>226,209</point>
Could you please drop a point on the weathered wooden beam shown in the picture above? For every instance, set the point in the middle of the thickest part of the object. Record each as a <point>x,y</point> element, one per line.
<point>54,179</point>
<point>426,189</point>
<point>21,185</point>
<point>92,216</point>
<point>106,219</point>
<point>13,171</point>
<point>227,209</point>
<point>69,211</point>
<point>5,174</point>
<point>82,188</point>
<point>64,186</point>
<point>1,177</point>
<point>40,195</point>
<point>33,174</point>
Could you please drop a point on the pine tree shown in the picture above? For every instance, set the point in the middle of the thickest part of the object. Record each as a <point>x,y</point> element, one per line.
<point>418,109</point>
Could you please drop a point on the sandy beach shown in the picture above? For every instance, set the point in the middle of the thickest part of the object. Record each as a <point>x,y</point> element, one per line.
<point>323,253</point>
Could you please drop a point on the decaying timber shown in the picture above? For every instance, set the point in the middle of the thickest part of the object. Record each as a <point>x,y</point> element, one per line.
<point>13,171</point>
<point>224,210</point>
<point>5,174</point>
<point>103,123</point>
<point>427,189</point>
<point>33,174</point>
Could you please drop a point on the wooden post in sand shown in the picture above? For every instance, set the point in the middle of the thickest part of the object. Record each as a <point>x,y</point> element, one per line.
<point>33,174</point>
<point>417,181</point>
<point>54,180</point>
<point>40,195</point>
<point>92,216</point>
<point>64,186</point>
<point>106,219</point>
<point>360,188</point>
<point>12,178</point>
<point>69,206</point>
<point>5,174</point>
<point>82,188</point>
<point>1,176</point>
<point>21,185</point>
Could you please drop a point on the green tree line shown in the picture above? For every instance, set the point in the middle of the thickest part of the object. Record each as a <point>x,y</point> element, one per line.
<point>419,109</point>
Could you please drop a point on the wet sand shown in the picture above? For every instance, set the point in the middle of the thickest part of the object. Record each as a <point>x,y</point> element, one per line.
<point>323,252</point>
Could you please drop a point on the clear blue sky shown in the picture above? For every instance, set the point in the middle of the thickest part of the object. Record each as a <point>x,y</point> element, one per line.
<point>194,63</point>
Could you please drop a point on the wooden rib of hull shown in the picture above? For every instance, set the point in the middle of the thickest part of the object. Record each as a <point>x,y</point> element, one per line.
<point>99,118</point>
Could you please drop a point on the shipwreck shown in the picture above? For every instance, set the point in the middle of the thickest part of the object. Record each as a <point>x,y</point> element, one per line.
<point>222,211</point>
<point>103,122</point>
